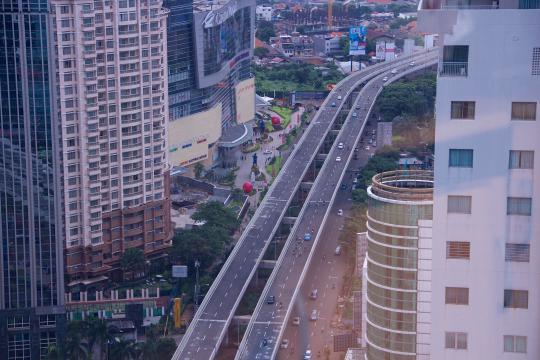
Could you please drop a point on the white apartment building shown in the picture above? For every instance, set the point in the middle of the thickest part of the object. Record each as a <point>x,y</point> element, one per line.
<point>112,91</point>
<point>486,213</point>
<point>263,12</point>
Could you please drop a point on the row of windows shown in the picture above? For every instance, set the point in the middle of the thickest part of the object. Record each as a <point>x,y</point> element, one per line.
<point>462,204</point>
<point>518,159</point>
<point>514,299</point>
<point>513,252</point>
<point>511,343</point>
<point>465,110</point>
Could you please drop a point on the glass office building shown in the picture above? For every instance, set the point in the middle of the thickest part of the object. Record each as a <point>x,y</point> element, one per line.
<point>399,221</point>
<point>31,266</point>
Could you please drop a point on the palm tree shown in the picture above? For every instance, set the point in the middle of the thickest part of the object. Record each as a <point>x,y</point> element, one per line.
<point>124,349</point>
<point>54,352</point>
<point>75,347</point>
<point>98,332</point>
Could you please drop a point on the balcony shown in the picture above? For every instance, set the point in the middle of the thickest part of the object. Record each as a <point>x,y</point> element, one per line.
<point>453,69</point>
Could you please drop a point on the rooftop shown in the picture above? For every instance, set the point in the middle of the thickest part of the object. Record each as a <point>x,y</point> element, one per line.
<point>404,185</point>
<point>478,4</point>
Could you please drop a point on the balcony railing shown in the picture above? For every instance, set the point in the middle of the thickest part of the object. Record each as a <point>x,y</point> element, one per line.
<point>453,68</point>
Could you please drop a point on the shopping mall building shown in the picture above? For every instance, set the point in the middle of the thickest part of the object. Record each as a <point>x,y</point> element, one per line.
<point>211,91</point>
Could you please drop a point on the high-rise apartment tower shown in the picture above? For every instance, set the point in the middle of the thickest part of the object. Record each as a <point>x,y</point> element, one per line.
<point>486,212</point>
<point>113,109</point>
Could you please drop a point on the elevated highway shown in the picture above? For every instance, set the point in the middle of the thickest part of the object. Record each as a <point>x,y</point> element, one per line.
<point>262,338</point>
<point>209,326</point>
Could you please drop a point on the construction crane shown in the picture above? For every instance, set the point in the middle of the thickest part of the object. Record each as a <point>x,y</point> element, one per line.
<point>329,19</point>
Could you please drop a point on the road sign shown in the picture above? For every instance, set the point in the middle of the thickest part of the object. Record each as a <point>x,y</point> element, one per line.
<point>179,271</point>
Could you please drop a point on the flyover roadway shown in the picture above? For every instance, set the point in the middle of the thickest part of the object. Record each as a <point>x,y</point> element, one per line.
<point>207,329</point>
<point>263,334</point>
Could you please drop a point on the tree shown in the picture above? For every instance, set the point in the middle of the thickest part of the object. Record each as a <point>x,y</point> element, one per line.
<point>344,43</point>
<point>124,350</point>
<point>75,348</point>
<point>98,332</point>
<point>260,52</point>
<point>132,259</point>
<point>198,169</point>
<point>265,30</point>
<point>165,348</point>
<point>216,214</point>
<point>359,196</point>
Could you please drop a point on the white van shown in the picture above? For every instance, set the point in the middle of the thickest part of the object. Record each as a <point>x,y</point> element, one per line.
<point>338,250</point>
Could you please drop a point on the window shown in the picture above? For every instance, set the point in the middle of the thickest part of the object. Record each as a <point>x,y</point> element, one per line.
<point>517,252</point>
<point>520,159</point>
<point>536,61</point>
<point>523,111</point>
<point>459,204</point>
<point>516,299</point>
<point>518,206</point>
<point>456,340</point>
<point>515,344</point>
<point>458,250</point>
<point>460,158</point>
<point>462,110</point>
<point>457,296</point>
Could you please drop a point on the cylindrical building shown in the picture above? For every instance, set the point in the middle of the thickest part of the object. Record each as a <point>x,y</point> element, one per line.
<point>400,210</point>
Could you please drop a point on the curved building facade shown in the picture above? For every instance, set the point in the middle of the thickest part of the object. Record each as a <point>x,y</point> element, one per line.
<point>398,233</point>
<point>210,84</point>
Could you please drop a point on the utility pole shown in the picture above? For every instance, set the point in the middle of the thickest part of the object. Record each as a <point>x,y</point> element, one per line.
<point>197,287</point>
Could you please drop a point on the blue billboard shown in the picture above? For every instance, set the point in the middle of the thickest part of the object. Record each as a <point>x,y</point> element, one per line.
<point>357,40</point>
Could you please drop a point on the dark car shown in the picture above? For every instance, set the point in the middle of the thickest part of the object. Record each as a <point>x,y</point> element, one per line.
<point>271,299</point>
<point>343,186</point>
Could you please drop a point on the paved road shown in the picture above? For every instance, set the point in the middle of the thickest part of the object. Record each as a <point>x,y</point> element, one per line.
<point>325,274</point>
<point>206,331</point>
<point>267,323</point>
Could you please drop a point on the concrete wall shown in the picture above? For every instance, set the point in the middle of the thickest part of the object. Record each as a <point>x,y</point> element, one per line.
<point>500,54</point>
<point>190,136</point>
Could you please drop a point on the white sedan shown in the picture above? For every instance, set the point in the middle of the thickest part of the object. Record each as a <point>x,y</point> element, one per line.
<point>340,145</point>
<point>338,159</point>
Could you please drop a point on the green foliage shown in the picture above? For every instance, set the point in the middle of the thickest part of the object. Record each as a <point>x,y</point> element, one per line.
<point>207,242</point>
<point>285,114</point>
<point>399,22</point>
<point>132,259</point>
<point>411,97</point>
<point>124,349</point>
<point>381,162</point>
<point>359,195</point>
<point>265,30</point>
<point>344,43</point>
<point>290,77</point>
<point>198,170</point>
<point>260,52</point>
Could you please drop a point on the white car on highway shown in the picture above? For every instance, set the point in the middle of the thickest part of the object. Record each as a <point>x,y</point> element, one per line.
<point>314,316</point>
<point>339,97</point>
<point>354,114</point>
<point>385,79</point>
<point>284,344</point>
<point>307,355</point>
<point>394,71</point>
<point>266,152</point>
<point>340,145</point>
<point>340,212</point>
<point>338,159</point>
<point>296,320</point>
<point>412,63</point>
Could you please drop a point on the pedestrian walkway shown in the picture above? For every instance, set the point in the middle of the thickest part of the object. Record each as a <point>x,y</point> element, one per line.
<point>267,150</point>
